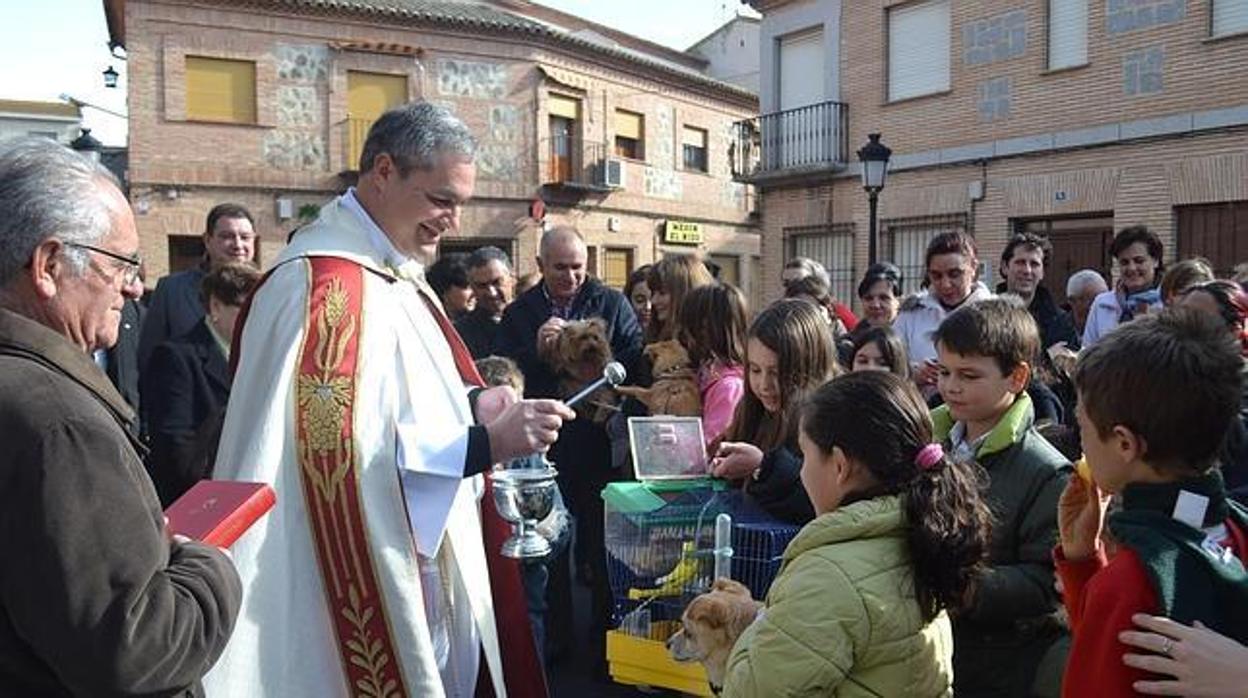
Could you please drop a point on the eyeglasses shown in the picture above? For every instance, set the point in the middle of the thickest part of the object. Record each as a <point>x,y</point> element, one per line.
<point>132,266</point>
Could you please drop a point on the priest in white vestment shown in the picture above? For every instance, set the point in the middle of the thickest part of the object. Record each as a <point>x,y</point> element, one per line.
<point>370,576</point>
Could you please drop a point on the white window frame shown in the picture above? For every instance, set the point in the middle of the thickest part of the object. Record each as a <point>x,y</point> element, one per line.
<point>1232,15</point>
<point>810,40</point>
<point>1068,34</point>
<point>920,64</point>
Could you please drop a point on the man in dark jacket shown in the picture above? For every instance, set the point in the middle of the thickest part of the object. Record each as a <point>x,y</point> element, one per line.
<point>1023,263</point>
<point>229,237</point>
<point>491,280</point>
<point>583,451</point>
<point>95,597</point>
<point>121,361</point>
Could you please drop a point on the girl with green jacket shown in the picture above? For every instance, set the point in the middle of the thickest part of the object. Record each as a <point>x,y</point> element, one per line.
<point>858,607</point>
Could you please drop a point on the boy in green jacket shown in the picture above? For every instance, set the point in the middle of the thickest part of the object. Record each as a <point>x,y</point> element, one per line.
<point>986,351</point>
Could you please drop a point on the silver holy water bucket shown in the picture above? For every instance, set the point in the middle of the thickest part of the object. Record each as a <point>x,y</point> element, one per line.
<point>525,496</point>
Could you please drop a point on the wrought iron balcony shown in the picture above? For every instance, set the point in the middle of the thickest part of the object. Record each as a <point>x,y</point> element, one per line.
<point>576,164</point>
<point>808,139</point>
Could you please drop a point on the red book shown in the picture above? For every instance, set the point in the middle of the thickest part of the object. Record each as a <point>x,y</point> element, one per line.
<point>217,512</point>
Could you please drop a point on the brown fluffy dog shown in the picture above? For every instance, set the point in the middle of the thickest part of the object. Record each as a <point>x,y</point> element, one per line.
<point>711,625</point>
<point>578,357</point>
<point>675,387</point>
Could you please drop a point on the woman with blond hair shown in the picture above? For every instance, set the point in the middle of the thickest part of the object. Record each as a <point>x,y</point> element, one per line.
<point>670,279</point>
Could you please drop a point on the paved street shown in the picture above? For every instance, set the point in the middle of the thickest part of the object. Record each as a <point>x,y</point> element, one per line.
<point>572,677</point>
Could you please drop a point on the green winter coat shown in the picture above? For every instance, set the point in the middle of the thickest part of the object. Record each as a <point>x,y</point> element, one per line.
<point>841,616</point>
<point>1003,637</point>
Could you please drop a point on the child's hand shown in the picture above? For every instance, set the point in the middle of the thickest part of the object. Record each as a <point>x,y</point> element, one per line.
<point>1080,518</point>
<point>735,461</point>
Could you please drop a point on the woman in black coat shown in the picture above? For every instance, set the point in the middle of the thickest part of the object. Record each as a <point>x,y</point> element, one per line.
<point>186,385</point>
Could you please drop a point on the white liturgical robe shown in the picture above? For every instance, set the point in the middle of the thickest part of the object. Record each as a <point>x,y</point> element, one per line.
<point>410,424</point>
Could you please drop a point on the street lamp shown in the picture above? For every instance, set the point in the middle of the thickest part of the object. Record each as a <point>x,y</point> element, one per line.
<point>110,77</point>
<point>874,156</point>
<point>87,144</point>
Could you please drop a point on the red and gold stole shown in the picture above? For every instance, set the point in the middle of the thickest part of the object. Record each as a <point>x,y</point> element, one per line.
<point>331,480</point>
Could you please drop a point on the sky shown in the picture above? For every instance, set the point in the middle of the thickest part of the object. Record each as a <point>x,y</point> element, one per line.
<point>50,47</point>
<point>54,47</point>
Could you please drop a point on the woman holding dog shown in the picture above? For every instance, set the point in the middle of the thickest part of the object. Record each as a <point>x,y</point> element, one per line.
<point>858,607</point>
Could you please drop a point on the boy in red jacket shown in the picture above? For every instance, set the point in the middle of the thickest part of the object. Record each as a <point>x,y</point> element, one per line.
<point>1156,398</point>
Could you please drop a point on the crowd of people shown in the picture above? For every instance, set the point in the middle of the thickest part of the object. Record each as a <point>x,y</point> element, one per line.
<point>926,448</point>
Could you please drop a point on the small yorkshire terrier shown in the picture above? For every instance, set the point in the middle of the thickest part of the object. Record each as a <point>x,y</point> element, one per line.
<point>578,356</point>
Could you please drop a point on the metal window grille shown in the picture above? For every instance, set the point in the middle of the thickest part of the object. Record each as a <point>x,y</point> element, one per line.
<point>833,247</point>
<point>905,244</point>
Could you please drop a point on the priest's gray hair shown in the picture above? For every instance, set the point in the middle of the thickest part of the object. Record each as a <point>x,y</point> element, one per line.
<point>415,135</point>
<point>48,190</point>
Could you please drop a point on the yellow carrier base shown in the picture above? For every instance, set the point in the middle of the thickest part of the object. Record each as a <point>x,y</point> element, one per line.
<point>640,661</point>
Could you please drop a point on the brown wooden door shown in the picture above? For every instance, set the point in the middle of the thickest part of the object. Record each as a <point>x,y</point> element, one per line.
<point>1217,232</point>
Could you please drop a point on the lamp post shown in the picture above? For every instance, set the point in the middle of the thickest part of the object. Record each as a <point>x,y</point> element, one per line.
<point>874,157</point>
<point>87,144</point>
<point>110,77</point>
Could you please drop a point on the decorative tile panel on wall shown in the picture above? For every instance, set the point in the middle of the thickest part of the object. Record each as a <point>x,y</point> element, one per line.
<point>499,156</point>
<point>297,105</point>
<point>295,150</point>
<point>472,79</point>
<point>303,76</point>
<point>663,183</point>
<point>1142,71</point>
<point>504,123</point>
<point>302,63</point>
<point>1123,16</point>
<point>498,161</point>
<point>993,100</point>
<point>662,151</point>
<point>996,38</point>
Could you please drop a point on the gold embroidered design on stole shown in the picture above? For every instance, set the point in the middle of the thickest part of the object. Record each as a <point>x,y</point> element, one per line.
<point>324,402</point>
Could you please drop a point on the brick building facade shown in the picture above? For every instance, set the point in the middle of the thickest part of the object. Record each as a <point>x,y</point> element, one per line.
<point>1072,118</point>
<point>267,103</point>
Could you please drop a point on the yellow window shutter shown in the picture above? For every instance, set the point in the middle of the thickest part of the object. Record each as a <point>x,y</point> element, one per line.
<point>628,124</point>
<point>219,89</point>
<point>617,265</point>
<point>369,95</point>
<point>568,108</point>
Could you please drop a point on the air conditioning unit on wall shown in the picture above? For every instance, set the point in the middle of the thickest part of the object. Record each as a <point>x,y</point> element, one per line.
<point>612,173</point>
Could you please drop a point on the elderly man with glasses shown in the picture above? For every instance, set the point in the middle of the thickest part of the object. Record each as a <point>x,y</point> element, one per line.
<point>95,597</point>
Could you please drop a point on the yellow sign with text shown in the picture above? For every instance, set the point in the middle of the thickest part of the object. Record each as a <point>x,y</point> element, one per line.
<point>682,233</point>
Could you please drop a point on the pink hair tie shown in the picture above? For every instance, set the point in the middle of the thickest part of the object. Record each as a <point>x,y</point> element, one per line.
<point>929,456</point>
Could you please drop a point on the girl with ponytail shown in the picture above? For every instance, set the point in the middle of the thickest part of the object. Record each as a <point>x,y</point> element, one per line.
<point>900,533</point>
